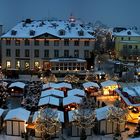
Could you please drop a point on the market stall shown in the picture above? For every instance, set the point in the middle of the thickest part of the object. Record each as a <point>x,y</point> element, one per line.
<point>109,87</point>
<point>16,121</point>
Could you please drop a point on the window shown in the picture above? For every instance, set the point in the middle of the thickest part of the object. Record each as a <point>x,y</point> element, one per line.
<point>121,38</point>
<point>76,53</point>
<point>56,42</point>
<point>124,46</point>
<point>136,47</point>
<point>66,53</point>
<point>86,53</point>
<point>36,65</point>
<point>129,38</point>
<point>17,64</point>
<point>76,43</point>
<point>36,53</point>
<point>66,42</point>
<point>46,53</point>
<point>8,64</point>
<point>8,52</point>
<point>27,65</point>
<point>130,46</point>
<point>27,53</point>
<point>36,42</point>
<point>17,42</point>
<point>46,42</point>
<point>8,42</point>
<point>27,42</point>
<point>86,43</point>
<point>56,53</point>
<point>17,53</point>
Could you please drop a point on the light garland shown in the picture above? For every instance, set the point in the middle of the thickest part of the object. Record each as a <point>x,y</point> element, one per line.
<point>47,122</point>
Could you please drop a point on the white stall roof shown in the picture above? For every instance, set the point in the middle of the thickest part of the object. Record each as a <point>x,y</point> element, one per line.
<point>48,85</point>
<point>108,83</point>
<point>126,100</point>
<point>49,100</point>
<point>60,115</point>
<point>71,99</point>
<point>63,85</point>
<point>90,84</point>
<point>101,113</point>
<point>76,92</point>
<point>17,84</point>
<point>132,91</point>
<point>52,92</point>
<point>18,114</point>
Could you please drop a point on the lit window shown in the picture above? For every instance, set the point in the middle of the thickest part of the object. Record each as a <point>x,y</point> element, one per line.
<point>27,65</point>
<point>17,64</point>
<point>36,65</point>
<point>8,64</point>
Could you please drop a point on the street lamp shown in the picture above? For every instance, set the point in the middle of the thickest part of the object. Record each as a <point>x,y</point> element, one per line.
<point>99,64</point>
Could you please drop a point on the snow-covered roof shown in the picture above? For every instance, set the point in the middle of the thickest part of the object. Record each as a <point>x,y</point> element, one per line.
<point>71,99</point>
<point>76,92</point>
<point>48,85</point>
<point>63,85</point>
<point>108,83</point>
<point>52,92</point>
<point>127,33</point>
<point>101,113</point>
<point>40,27</point>
<point>126,99</point>
<point>17,84</point>
<point>90,84</point>
<point>132,91</point>
<point>67,60</point>
<point>18,114</point>
<point>48,100</point>
<point>60,115</point>
<point>1,111</point>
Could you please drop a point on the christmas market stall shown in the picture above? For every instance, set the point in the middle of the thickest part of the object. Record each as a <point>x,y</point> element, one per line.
<point>76,92</point>
<point>130,98</point>
<point>59,115</point>
<point>71,102</point>
<point>109,87</point>
<point>50,101</point>
<point>92,88</point>
<point>16,121</point>
<point>73,130</point>
<point>104,125</point>
<point>16,88</point>
<point>52,92</point>
<point>1,117</point>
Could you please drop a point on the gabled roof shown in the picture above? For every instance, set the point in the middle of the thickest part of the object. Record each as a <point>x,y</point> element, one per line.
<point>35,28</point>
<point>52,92</point>
<point>71,99</point>
<point>127,33</point>
<point>18,114</point>
<point>108,83</point>
<point>76,92</point>
<point>90,84</point>
<point>48,100</point>
<point>17,84</point>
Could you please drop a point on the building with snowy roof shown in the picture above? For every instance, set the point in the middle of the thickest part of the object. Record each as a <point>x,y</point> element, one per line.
<point>127,45</point>
<point>31,44</point>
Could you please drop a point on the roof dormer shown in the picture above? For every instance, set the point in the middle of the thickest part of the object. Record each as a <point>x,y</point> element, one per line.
<point>81,33</point>
<point>62,32</point>
<point>13,32</point>
<point>129,32</point>
<point>32,32</point>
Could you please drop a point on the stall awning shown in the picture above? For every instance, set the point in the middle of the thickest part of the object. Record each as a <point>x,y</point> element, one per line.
<point>90,84</point>
<point>108,83</point>
<point>76,92</point>
<point>17,84</point>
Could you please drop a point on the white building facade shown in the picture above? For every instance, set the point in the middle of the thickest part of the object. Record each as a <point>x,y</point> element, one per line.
<point>31,44</point>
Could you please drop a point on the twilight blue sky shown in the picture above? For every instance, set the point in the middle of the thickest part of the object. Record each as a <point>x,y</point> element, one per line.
<point>111,12</point>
